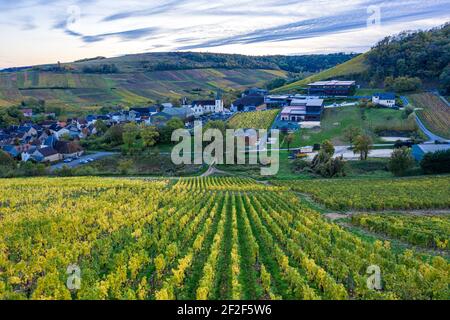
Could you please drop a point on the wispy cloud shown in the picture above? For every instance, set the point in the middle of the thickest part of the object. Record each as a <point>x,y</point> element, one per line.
<point>353,18</point>
<point>153,9</point>
<point>106,27</point>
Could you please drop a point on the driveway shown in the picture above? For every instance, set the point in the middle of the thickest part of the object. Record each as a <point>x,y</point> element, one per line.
<point>77,162</point>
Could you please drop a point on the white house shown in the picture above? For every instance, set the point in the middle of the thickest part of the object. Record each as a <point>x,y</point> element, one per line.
<point>384,99</point>
<point>202,107</point>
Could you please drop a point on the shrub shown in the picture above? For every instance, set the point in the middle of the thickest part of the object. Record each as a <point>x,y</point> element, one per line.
<point>401,161</point>
<point>438,162</point>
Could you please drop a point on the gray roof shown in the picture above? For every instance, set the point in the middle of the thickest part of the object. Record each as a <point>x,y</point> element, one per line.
<point>333,83</point>
<point>426,148</point>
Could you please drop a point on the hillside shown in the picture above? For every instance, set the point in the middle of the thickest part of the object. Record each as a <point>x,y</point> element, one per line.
<point>355,66</point>
<point>76,90</point>
<point>152,77</point>
<point>422,54</point>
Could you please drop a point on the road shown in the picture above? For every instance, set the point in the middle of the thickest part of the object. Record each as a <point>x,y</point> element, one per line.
<point>77,163</point>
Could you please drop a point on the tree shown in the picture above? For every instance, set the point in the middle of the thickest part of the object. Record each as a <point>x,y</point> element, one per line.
<point>101,126</point>
<point>175,123</point>
<point>328,148</point>
<point>351,133</point>
<point>438,162</point>
<point>445,79</point>
<point>217,124</point>
<point>149,135</point>
<point>114,135</point>
<point>363,145</point>
<point>125,166</point>
<point>171,125</point>
<point>6,160</point>
<point>130,135</point>
<point>289,139</point>
<point>401,161</point>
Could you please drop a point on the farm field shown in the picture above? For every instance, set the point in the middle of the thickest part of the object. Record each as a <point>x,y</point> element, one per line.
<point>195,238</point>
<point>253,120</point>
<point>435,113</point>
<point>378,194</point>
<point>422,230</point>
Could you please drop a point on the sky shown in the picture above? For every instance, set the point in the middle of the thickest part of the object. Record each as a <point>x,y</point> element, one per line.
<point>46,31</point>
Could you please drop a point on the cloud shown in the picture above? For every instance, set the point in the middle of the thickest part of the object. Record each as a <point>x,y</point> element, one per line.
<point>127,35</point>
<point>158,9</point>
<point>352,19</point>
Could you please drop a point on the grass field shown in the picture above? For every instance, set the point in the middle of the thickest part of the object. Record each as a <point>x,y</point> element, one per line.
<point>434,113</point>
<point>336,121</point>
<point>197,238</point>
<point>355,66</point>
<point>253,120</point>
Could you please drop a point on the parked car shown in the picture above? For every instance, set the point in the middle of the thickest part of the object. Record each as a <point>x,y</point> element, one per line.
<point>68,160</point>
<point>84,162</point>
<point>90,160</point>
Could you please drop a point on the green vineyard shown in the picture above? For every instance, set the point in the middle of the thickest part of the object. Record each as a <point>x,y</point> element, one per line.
<point>427,231</point>
<point>378,194</point>
<point>196,238</point>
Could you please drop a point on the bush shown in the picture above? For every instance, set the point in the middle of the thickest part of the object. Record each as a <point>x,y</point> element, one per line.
<point>401,161</point>
<point>438,162</point>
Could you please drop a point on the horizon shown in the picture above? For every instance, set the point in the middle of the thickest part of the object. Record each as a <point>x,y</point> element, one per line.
<point>46,31</point>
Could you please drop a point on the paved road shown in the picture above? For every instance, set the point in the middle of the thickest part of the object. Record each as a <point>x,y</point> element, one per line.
<point>77,163</point>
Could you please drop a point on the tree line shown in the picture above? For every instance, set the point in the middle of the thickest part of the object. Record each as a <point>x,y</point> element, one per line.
<point>414,55</point>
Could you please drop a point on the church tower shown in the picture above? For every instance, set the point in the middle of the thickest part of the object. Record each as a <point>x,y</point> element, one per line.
<point>219,103</point>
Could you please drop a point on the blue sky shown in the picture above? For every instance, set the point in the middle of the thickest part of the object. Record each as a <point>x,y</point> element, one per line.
<point>46,31</point>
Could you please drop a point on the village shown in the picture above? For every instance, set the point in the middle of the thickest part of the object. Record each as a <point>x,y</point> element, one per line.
<point>52,140</point>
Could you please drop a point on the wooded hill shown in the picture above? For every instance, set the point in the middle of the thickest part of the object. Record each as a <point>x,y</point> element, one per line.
<point>421,54</point>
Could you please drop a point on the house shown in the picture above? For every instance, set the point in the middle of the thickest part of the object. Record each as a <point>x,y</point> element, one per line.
<point>201,107</point>
<point>12,151</point>
<point>420,150</point>
<point>60,132</point>
<point>303,110</point>
<point>249,103</point>
<point>46,154</point>
<point>384,99</point>
<point>148,111</point>
<point>167,105</point>
<point>28,113</point>
<point>332,88</point>
<point>91,119</point>
<point>68,149</point>
<point>277,101</point>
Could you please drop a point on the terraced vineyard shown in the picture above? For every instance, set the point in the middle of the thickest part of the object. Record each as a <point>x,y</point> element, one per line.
<point>253,120</point>
<point>427,231</point>
<point>434,113</point>
<point>379,194</point>
<point>197,238</point>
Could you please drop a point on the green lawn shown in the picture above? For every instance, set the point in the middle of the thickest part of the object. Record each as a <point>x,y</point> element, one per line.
<point>368,91</point>
<point>335,121</point>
